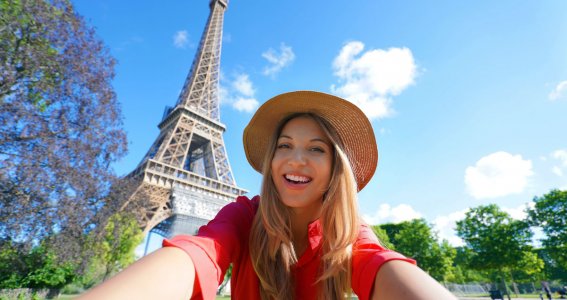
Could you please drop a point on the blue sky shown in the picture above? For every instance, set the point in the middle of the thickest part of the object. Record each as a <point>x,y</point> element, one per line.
<point>468,99</point>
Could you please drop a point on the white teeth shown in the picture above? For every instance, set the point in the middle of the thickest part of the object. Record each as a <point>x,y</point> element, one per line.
<point>297,178</point>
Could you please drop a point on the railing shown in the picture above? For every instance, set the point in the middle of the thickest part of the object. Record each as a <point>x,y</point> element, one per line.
<point>165,175</point>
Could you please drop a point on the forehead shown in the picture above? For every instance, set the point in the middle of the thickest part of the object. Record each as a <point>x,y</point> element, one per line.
<point>303,125</point>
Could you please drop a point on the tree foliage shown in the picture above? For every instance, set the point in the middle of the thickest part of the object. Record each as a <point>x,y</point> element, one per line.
<point>497,242</point>
<point>121,237</point>
<point>113,250</point>
<point>463,273</point>
<point>60,124</point>
<point>550,214</point>
<point>530,267</point>
<point>415,239</point>
<point>383,237</point>
<point>552,270</point>
<point>391,230</point>
<point>38,268</point>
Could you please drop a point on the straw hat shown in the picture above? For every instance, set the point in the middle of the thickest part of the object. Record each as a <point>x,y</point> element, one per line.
<point>351,124</point>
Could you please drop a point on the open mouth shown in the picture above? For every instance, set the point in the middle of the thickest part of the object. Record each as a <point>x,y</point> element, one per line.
<point>296,179</point>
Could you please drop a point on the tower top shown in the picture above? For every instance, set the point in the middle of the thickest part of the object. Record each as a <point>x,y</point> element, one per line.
<point>200,92</point>
<point>224,3</point>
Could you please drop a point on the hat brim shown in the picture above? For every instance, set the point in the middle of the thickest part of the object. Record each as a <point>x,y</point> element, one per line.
<point>351,124</point>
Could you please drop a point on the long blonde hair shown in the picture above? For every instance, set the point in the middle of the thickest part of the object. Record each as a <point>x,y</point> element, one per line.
<point>271,249</point>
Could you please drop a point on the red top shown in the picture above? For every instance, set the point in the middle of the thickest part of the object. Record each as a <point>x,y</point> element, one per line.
<point>225,239</point>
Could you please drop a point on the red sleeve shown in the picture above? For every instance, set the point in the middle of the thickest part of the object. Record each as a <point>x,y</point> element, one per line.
<point>216,245</point>
<point>367,258</point>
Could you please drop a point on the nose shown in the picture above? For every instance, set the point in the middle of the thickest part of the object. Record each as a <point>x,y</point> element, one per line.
<point>297,157</point>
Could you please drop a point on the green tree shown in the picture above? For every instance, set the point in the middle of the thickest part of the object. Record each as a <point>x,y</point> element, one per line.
<point>382,237</point>
<point>227,277</point>
<point>121,237</point>
<point>12,264</point>
<point>46,271</point>
<point>497,241</point>
<point>416,240</point>
<point>551,270</point>
<point>392,230</point>
<point>113,250</point>
<point>529,268</point>
<point>60,125</point>
<point>463,273</point>
<point>38,268</point>
<point>550,213</point>
<point>446,256</point>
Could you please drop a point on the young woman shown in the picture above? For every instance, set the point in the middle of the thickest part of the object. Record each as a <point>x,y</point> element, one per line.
<point>302,238</point>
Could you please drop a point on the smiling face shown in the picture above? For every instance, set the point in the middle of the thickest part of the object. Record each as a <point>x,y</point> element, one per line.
<point>302,165</point>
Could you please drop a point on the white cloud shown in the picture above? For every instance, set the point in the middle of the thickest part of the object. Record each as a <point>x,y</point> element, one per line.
<point>243,85</point>
<point>557,171</point>
<point>519,213</point>
<point>388,214</point>
<point>224,94</point>
<point>369,79</point>
<point>180,39</point>
<point>245,104</point>
<point>561,156</point>
<point>560,91</point>
<point>278,60</point>
<point>498,174</point>
<point>239,93</point>
<point>445,227</point>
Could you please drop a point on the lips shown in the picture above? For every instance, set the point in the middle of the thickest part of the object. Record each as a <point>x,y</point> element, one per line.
<point>297,179</point>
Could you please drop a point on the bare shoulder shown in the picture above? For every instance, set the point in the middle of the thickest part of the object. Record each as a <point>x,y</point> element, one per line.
<point>401,280</point>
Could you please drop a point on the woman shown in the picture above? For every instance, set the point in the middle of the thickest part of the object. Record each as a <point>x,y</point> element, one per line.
<point>302,238</point>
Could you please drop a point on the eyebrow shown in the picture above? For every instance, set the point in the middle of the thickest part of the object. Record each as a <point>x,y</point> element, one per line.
<point>312,140</point>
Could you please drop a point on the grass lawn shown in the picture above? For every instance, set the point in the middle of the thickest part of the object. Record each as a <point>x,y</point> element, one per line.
<point>65,297</point>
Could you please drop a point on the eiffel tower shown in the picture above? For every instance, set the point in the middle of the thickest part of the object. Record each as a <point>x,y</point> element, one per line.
<point>185,177</point>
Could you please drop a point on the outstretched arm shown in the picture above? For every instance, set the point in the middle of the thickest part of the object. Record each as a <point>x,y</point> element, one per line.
<point>167,273</point>
<point>404,281</point>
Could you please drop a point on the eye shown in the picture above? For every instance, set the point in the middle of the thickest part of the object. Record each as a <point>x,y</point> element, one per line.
<point>283,146</point>
<point>317,149</point>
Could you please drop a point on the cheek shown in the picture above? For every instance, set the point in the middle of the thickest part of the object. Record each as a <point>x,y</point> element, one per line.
<point>328,170</point>
<point>274,169</point>
<point>274,165</point>
<point>328,177</point>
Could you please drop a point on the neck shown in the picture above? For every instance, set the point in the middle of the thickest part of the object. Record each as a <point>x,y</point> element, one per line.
<point>300,220</point>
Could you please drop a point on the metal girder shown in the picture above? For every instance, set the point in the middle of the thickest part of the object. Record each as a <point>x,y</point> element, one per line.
<point>186,175</point>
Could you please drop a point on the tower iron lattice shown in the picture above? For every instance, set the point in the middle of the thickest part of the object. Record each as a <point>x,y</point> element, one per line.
<point>185,177</point>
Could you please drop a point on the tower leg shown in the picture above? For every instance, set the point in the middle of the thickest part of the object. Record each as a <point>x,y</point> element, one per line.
<point>147,243</point>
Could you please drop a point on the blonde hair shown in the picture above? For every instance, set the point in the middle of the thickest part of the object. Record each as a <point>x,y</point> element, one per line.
<point>271,248</point>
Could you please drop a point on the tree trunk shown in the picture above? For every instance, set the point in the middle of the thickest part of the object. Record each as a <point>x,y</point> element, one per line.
<point>53,293</point>
<point>514,285</point>
<point>504,285</point>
